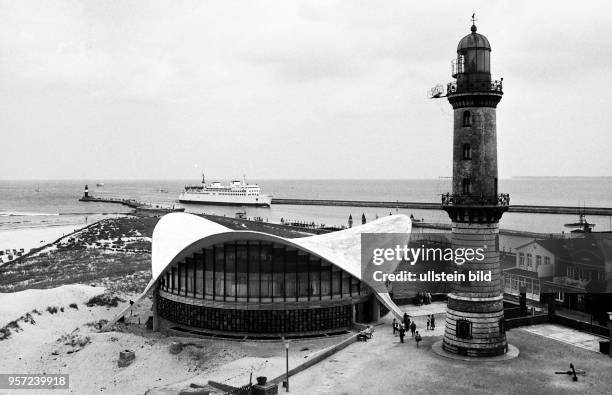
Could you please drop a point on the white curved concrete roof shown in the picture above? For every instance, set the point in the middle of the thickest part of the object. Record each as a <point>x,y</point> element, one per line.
<point>176,232</point>
<point>178,235</point>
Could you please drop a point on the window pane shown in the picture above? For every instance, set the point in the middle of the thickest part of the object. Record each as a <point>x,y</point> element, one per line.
<point>241,264</point>
<point>346,284</point>
<point>179,278</point>
<point>183,277</point>
<point>336,280</point>
<point>315,277</point>
<point>253,252</point>
<point>219,279</point>
<point>175,281</point>
<point>188,276</point>
<point>199,261</point>
<point>208,278</point>
<point>230,271</point>
<point>302,270</point>
<point>325,280</point>
<point>354,287</point>
<point>266,272</point>
<point>290,270</point>
<point>278,265</point>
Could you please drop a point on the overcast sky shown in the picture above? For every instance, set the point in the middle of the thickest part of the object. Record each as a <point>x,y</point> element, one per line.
<point>290,89</point>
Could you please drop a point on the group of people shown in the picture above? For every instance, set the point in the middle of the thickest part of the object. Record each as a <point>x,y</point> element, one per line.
<point>422,298</point>
<point>400,328</point>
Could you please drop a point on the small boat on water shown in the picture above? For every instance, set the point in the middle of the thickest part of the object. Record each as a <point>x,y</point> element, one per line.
<point>582,226</point>
<point>99,184</point>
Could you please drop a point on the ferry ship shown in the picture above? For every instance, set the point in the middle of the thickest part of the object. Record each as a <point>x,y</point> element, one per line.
<point>237,193</point>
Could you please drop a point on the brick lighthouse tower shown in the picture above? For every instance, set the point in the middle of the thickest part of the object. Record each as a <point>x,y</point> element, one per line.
<point>475,315</point>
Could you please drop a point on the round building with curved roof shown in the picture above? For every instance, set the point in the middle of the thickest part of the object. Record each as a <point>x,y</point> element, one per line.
<point>211,280</point>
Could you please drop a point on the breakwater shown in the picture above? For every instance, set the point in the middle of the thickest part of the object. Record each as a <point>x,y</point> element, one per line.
<point>126,202</point>
<point>517,208</point>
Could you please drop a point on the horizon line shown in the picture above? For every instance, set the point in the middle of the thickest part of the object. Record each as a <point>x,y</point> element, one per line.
<point>291,179</point>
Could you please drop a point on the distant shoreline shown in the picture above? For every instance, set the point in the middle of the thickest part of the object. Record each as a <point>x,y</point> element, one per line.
<point>224,177</point>
<point>557,177</point>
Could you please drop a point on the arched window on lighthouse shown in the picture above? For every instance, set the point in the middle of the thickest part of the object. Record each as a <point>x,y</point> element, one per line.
<point>467,151</point>
<point>467,118</point>
<point>467,186</point>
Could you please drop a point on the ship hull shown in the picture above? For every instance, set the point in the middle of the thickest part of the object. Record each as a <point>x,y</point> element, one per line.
<point>256,201</point>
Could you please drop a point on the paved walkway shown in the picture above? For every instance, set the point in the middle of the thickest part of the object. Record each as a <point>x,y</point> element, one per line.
<point>552,331</point>
<point>384,365</point>
<point>426,309</point>
<point>566,335</point>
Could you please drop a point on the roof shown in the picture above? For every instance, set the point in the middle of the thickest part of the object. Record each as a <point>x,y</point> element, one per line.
<point>179,235</point>
<point>473,40</point>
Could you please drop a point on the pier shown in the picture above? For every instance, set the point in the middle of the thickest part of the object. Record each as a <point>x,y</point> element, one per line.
<point>140,207</point>
<point>515,208</point>
<point>126,202</point>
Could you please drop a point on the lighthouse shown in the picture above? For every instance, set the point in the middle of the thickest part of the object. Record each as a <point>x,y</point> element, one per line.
<point>475,313</point>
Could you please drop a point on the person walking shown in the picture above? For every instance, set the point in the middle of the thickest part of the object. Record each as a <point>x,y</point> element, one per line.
<point>412,328</point>
<point>402,333</point>
<point>406,320</point>
<point>418,338</point>
<point>428,321</point>
<point>394,326</point>
<point>433,322</point>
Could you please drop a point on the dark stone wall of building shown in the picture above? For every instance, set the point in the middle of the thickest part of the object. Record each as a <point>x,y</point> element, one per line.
<point>255,321</point>
<point>476,304</point>
<point>481,134</point>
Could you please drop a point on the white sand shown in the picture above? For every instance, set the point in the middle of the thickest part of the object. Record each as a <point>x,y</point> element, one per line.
<point>28,238</point>
<point>93,367</point>
<point>14,305</point>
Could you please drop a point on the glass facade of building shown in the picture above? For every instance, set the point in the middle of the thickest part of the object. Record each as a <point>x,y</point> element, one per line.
<point>259,287</point>
<point>258,272</point>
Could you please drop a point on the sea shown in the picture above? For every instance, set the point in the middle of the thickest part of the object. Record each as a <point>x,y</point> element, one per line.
<point>35,204</point>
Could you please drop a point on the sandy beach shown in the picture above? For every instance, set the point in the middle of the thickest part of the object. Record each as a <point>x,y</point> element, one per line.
<point>38,236</point>
<point>28,238</point>
<point>67,341</point>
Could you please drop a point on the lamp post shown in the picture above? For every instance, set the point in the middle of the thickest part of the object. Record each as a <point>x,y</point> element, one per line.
<point>287,359</point>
